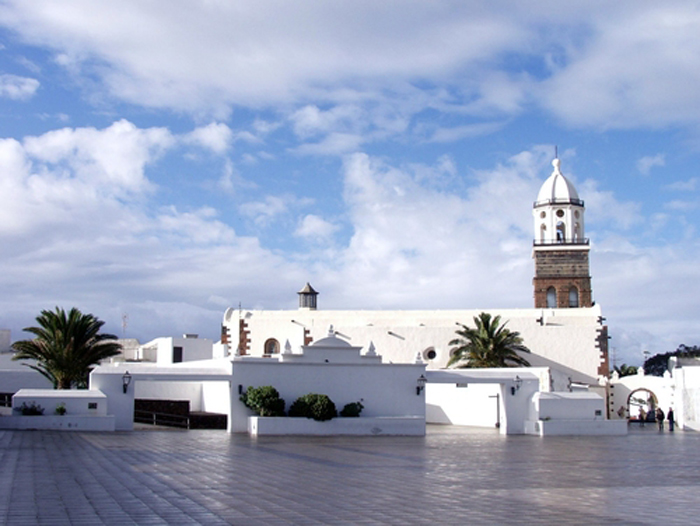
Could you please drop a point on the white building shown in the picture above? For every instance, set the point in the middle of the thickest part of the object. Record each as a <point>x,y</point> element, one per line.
<point>565,330</point>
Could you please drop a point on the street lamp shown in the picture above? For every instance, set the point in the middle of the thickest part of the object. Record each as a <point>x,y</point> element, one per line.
<point>516,387</point>
<point>422,380</point>
<point>126,380</point>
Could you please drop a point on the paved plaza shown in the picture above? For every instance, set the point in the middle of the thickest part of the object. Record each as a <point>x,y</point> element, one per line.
<point>451,476</point>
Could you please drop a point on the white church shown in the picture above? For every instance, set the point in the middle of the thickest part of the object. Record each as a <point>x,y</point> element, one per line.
<point>565,330</point>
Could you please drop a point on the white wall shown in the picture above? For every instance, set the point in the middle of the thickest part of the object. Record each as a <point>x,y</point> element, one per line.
<point>474,405</point>
<point>384,390</point>
<point>567,338</point>
<point>216,397</point>
<point>12,381</point>
<point>76,401</point>
<point>5,340</point>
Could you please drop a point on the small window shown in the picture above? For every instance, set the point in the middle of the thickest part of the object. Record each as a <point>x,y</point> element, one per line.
<point>92,405</point>
<point>429,354</point>
<point>551,298</point>
<point>177,354</point>
<point>272,346</point>
<point>573,297</point>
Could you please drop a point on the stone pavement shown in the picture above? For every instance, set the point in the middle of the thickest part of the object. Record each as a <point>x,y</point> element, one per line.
<point>451,476</point>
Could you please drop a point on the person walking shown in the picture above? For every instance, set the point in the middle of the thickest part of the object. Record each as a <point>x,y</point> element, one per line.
<point>642,416</point>
<point>671,420</point>
<point>660,418</point>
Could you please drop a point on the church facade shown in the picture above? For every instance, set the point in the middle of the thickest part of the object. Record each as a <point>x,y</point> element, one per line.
<point>564,331</point>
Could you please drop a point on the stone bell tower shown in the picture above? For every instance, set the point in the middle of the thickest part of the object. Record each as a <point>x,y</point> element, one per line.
<point>562,274</point>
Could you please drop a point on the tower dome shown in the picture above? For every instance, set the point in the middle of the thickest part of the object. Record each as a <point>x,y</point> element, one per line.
<point>558,211</point>
<point>557,189</point>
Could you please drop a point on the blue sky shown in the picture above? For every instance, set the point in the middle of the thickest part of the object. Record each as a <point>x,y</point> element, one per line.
<point>166,160</point>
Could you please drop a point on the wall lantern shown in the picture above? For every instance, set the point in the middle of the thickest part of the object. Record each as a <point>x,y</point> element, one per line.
<point>516,387</point>
<point>422,380</point>
<point>126,380</point>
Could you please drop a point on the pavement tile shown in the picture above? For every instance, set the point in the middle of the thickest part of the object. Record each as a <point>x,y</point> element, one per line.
<point>451,476</point>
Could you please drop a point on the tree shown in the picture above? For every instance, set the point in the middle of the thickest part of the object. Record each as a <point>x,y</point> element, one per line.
<point>658,364</point>
<point>490,344</point>
<point>66,347</point>
<point>625,370</point>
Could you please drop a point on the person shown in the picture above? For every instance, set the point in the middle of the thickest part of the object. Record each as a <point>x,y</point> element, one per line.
<point>642,416</point>
<point>671,421</point>
<point>660,418</point>
<point>621,412</point>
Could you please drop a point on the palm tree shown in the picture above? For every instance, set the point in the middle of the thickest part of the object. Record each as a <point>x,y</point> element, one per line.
<point>66,347</point>
<point>490,344</point>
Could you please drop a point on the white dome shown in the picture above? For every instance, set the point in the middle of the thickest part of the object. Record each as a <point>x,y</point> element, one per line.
<point>557,188</point>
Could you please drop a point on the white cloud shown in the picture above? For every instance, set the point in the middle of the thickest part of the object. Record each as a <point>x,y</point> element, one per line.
<point>111,160</point>
<point>17,88</point>
<point>315,228</point>
<point>466,131</point>
<point>263,213</point>
<point>645,164</point>
<point>685,186</point>
<point>333,144</point>
<point>637,67</point>
<point>216,136</point>
<point>680,205</point>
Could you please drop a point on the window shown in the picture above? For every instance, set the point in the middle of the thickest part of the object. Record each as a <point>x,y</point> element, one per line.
<point>573,297</point>
<point>551,298</point>
<point>177,354</point>
<point>561,232</point>
<point>272,346</point>
<point>429,354</point>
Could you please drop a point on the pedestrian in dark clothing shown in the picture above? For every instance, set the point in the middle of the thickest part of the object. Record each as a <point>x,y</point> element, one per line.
<point>671,421</point>
<point>660,418</point>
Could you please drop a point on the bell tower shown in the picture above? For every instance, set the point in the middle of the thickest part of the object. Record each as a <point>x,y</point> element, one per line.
<point>562,273</point>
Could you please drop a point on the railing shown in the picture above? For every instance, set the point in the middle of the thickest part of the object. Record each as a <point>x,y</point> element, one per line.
<point>582,241</point>
<point>578,202</point>
<point>161,419</point>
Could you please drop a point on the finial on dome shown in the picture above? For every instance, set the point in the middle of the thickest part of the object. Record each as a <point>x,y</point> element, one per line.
<point>556,163</point>
<point>331,332</point>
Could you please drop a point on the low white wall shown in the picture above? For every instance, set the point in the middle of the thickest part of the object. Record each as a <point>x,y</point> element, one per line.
<point>385,390</point>
<point>77,402</point>
<point>569,406</point>
<point>473,405</point>
<point>413,426</point>
<point>64,423</point>
<point>577,427</point>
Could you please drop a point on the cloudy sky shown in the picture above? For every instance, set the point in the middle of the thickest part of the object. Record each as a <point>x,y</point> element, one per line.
<point>165,160</point>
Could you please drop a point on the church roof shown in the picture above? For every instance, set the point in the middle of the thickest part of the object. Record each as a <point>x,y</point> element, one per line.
<point>308,289</point>
<point>557,189</point>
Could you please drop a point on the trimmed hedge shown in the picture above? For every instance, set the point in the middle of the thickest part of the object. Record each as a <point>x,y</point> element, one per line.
<point>265,401</point>
<point>316,406</point>
<point>353,409</point>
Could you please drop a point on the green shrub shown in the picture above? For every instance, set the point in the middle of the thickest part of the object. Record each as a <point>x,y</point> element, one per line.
<point>32,409</point>
<point>61,409</point>
<point>264,401</point>
<point>352,409</point>
<point>316,406</point>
